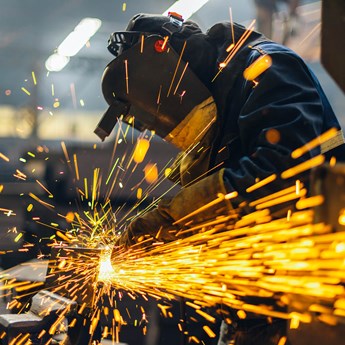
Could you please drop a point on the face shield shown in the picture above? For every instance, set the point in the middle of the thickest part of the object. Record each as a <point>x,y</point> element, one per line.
<point>151,87</point>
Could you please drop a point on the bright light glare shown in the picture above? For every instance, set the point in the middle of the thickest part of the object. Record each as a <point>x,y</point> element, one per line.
<point>56,62</point>
<point>79,37</point>
<point>106,270</point>
<point>72,44</point>
<point>186,8</point>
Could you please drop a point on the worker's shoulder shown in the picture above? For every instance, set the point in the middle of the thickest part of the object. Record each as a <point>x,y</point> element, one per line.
<point>280,54</point>
<point>271,47</point>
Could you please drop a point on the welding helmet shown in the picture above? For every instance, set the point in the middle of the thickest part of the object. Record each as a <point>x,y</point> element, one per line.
<point>150,83</point>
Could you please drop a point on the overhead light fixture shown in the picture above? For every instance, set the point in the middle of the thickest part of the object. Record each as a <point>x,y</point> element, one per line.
<point>56,62</point>
<point>72,44</point>
<point>186,8</point>
<point>79,36</point>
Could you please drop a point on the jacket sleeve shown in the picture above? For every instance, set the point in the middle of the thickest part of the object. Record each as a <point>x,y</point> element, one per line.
<point>176,217</point>
<point>280,111</point>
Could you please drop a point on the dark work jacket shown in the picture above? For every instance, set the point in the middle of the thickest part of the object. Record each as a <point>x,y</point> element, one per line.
<point>286,98</point>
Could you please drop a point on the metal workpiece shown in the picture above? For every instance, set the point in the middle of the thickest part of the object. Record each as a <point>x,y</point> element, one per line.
<point>62,312</point>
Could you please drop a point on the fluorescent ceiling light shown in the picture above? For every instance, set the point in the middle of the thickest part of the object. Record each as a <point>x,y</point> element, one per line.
<point>56,62</point>
<point>72,44</point>
<point>186,8</point>
<point>79,37</point>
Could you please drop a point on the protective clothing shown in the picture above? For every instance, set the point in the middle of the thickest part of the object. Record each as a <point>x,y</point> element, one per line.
<point>176,101</point>
<point>259,123</point>
<point>172,215</point>
<point>285,100</point>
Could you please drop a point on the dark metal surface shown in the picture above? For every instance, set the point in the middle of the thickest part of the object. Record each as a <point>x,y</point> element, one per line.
<point>333,39</point>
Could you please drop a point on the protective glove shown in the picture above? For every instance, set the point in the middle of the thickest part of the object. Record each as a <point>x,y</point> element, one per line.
<point>195,204</point>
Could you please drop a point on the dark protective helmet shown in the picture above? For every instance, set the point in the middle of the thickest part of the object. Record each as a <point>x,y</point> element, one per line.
<point>159,76</point>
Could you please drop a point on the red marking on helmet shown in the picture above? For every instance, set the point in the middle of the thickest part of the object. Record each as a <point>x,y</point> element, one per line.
<point>160,46</point>
<point>175,14</point>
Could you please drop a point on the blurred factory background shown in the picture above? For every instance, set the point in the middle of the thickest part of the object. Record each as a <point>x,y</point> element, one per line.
<point>41,107</point>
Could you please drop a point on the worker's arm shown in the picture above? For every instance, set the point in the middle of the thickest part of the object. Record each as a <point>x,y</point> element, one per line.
<point>193,205</point>
<point>281,111</point>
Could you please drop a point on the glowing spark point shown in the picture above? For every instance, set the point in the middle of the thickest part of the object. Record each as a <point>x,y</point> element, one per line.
<point>165,42</point>
<point>159,95</point>
<point>6,159</point>
<point>237,46</point>
<point>282,341</point>
<point>273,136</point>
<point>26,91</point>
<point>261,183</point>
<point>139,193</point>
<point>206,316</point>
<point>297,169</point>
<point>314,143</point>
<point>167,172</point>
<point>310,202</point>
<point>124,6</point>
<point>56,104</point>
<point>230,47</point>
<point>151,173</point>
<point>232,27</point>
<point>112,170</point>
<point>288,216</point>
<point>70,217</point>
<point>179,82</point>
<point>259,66</point>
<point>62,235</point>
<point>241,314</point>
<point>177,66</point>
<point>30,207</point>
<point>76,166</point>
<point>341,218</point>
<point>294,323</point>
<point>42,186</point>
<point>209,331</point>
<point>1,187</point>
<point>64,149</point>
<point>106,271</point>
<point>18,237</point>
<point>298,187</point>
<point>40,201</point>
<point>142,39</point>
<point>126,72</point>
<point>140,150</point>
<point>34,77</point>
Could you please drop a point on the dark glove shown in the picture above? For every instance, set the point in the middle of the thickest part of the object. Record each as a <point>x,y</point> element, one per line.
<point>155,225</point>
<point>195,204</point>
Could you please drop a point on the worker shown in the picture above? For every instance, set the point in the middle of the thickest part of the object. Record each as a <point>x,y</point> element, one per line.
<point>203,93</point>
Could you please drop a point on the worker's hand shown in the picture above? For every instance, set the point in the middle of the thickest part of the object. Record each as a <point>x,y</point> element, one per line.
<point>153,226</point>
<point>193,205</point>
